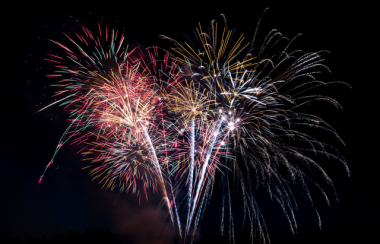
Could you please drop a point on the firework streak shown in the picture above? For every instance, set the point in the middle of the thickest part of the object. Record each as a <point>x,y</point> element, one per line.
<point>171,121</point>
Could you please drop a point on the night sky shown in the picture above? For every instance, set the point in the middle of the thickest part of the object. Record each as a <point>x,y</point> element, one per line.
<point>67,199</point>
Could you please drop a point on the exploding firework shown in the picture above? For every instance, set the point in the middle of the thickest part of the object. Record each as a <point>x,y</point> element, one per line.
<point>115,102</point>
<point>253,108</point>
<point>212,108</point>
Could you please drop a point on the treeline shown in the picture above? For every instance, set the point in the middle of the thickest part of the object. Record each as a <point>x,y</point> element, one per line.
<point>72,237</point>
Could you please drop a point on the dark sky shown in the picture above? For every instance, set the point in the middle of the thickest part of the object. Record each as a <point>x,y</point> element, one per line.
<point>68,200</point>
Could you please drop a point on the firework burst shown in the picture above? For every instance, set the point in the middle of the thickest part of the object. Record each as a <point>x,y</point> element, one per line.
<point>211,106</point>
<point>256,121</point>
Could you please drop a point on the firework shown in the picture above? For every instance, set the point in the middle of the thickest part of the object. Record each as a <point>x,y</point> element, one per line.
<point>115,101</point>
<point>211,106</point>
<point>255,121</point>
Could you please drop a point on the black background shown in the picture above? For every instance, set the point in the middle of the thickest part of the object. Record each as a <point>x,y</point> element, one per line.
<point>67,200</point>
